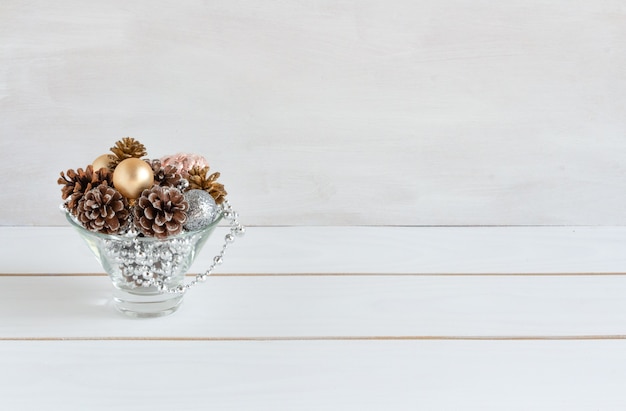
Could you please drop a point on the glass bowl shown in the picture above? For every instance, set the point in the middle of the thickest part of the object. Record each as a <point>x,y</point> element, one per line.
<point>137,265</point>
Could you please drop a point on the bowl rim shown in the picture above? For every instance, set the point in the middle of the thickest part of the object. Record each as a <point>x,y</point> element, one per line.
<point>72,220</point>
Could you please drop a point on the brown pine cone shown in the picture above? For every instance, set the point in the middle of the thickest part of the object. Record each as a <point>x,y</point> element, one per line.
<point>103,209</point>
<point>161,212</point>
<point>127,147</point>
<point>198,180</point>
<point>165,176</point>
<point>78,182</point>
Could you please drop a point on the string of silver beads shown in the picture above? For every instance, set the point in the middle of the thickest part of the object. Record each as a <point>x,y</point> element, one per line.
<point>236,230</point>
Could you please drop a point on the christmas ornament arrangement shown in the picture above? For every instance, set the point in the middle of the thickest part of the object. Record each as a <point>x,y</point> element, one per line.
<point>146,220</point>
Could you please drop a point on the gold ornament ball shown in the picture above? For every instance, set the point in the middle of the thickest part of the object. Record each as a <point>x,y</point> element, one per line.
<point>132,176</point>
<point>102,161</point>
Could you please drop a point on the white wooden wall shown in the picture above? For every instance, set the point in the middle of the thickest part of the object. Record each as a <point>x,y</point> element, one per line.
<point>406,112</point>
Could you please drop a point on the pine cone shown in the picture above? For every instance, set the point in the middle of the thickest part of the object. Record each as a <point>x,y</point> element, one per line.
<point>103,209</point>
<point>165,176</point>
<point>127,147</point>
<point>198,180</point>
<point>78,182</point>
<point>161,212</point>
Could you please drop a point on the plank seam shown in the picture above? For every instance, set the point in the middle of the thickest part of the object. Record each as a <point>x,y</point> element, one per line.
<point>513,274</point>
<point>337,338</point>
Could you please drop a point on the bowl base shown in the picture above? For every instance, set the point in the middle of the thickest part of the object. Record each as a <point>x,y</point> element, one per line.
<point>145,304</point>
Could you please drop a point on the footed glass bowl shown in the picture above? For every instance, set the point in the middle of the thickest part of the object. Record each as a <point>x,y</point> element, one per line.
<point>138,265</point>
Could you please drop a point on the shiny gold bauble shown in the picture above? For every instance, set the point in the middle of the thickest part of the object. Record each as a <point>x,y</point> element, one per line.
<point>102,162</point>
<point>132,176</point>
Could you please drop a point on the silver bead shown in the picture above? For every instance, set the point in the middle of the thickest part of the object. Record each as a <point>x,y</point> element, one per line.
<point>229,238</point>
<point>218,260</point>
<point>231,215</point>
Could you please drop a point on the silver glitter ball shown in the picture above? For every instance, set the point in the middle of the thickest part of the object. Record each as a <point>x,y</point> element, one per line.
<point>202,209</point>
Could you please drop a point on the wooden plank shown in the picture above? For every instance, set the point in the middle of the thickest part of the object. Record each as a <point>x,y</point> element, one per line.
<point>293,250</point>
<point>337,307</point>
<point>313,375</point>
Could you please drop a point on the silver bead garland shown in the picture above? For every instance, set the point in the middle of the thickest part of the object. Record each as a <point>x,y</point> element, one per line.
<point>236,230</point>
<point>142,264</point>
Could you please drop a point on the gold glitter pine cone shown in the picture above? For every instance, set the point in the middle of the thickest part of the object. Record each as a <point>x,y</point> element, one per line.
<point>160,212</point>
<point>103,209</point>
<point>198,179</point>
<point>127,147</point>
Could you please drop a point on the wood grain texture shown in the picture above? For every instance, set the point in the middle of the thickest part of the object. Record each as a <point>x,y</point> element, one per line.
<point>314,307</point>
<point>485,318</point>
<point>353,250</point>
<point>328,113</point>
<point>318,375</point>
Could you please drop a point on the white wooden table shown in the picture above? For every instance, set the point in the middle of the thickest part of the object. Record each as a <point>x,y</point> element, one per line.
<point>325,318</point>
